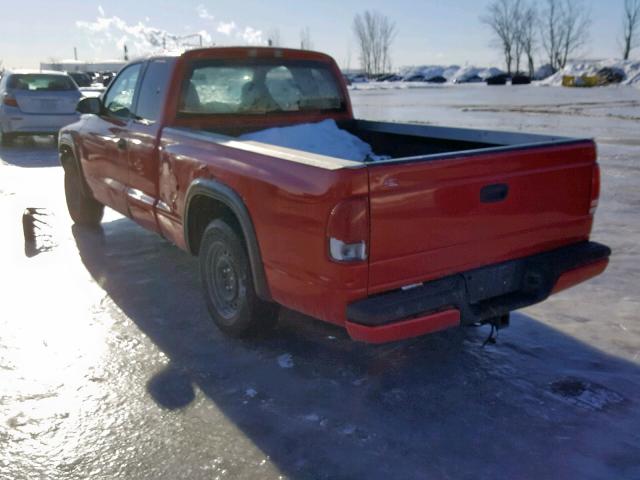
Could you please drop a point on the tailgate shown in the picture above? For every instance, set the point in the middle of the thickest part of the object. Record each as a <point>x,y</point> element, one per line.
<point>435,217</point>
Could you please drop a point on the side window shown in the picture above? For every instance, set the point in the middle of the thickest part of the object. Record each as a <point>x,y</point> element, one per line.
<point>153,89</point>
<point>119,98</point>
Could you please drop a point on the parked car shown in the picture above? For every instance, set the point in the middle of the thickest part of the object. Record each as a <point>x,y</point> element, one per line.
<point>106,77</point>
<point>437,79</point>
<point>453,227</point>
<point>359,78</point>
<point>392,77</point>
<point>415,78</point>
<point>520,79</point>
<point>81,79</point>
<point>469,79</point>
<point>500,79</point>
<point>36,103</point>
<point>387,77</point>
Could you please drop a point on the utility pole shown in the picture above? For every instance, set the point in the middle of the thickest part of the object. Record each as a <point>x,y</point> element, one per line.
<point>75,53</point>
<point>126,54</point>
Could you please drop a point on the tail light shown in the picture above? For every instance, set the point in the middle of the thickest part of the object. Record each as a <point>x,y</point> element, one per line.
<point>348,231</point>
<point>10,100</point>
<point>595,189</point>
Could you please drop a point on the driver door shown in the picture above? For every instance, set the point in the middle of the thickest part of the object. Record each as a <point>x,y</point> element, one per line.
<point>105,161</point>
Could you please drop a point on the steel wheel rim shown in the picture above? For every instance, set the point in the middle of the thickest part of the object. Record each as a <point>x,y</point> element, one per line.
<point>224,283</point>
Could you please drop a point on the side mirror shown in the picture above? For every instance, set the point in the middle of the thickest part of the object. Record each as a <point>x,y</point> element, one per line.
<point>89,105</point>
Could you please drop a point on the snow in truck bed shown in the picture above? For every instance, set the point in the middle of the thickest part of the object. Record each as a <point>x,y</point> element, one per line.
<point>322,138</point>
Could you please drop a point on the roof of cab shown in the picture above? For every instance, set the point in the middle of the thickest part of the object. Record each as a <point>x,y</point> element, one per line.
<point>245,51</point>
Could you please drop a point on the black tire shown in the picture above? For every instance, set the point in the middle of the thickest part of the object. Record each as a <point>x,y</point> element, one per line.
<point>6,139</point>
<point>228,285</point>
<point>83,209</point>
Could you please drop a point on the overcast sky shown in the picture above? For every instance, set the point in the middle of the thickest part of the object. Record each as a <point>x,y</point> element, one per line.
<point>429,31</point>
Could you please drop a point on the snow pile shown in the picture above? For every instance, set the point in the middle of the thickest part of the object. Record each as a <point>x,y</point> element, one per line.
<point>426,71</point>
<point>544,71</point>
<point>451,73</point>
<point>322,138</point>
<point>464,74</point>
<point>631,70</point>
<point>471,73</point>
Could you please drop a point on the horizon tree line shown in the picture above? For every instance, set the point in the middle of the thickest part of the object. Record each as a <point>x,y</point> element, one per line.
<point>559,27</point>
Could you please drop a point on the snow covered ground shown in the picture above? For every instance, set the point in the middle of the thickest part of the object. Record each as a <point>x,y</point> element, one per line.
<point>111,368</point>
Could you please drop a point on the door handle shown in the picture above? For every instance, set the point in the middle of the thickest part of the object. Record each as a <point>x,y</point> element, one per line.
<point>494,193</point>
<point>122,144</point>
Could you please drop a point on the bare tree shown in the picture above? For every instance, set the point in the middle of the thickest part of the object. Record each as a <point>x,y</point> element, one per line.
<point>518,44</point>
<point>576,22</point>
<point>502,18</point>
<point>305,39</point>
<point>631,26</point>
<point>551,31</point>
<point>387,35</point>
<point>514,25</point>
<point>527,34</point>
<point>375,34</point>
<point>564,28</point>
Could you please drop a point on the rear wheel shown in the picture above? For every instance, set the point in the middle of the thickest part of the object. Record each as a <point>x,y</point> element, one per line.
<point>83,209</point>
<point>228,285</point>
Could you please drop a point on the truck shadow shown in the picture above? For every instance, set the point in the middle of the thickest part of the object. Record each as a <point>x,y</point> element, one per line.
<point>31,152</point>
<point>321,406</point>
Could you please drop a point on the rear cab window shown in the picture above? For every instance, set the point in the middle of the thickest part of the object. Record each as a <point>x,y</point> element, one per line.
<point>39,82</point>
<point>259,86</point>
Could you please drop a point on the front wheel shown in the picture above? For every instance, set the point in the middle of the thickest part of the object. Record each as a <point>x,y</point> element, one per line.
<point>83,209</point>
<point>228,286</point>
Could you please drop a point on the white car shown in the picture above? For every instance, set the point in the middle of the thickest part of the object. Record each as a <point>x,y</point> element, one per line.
<point>36,103</point>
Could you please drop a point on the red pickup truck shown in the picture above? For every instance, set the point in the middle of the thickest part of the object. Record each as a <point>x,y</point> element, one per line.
<point>448,227</point>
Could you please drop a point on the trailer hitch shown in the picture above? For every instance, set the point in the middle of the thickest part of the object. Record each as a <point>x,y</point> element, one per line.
<point>497,323</point>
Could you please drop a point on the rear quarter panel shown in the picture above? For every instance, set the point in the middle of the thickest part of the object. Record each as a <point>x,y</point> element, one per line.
<point>289,204</point>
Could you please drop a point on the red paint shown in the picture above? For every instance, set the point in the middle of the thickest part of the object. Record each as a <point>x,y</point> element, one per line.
<point>290,204</point>
<point>578,275</point>
<point>433,223</point>
<point>434,322</point>
<point>421,220</point>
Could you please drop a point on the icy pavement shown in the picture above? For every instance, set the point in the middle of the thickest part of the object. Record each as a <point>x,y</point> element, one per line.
<point>111,368</point>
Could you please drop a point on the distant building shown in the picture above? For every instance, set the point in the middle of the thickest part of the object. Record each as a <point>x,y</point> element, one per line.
<point>82,66</point>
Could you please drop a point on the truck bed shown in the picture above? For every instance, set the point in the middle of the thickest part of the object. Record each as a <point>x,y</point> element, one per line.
<point>453,199</point>
<point>408,142</point>
<point>414,142</point>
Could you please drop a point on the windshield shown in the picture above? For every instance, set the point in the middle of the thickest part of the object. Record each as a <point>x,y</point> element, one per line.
<point>259,87</point>
<point>41,82</point>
